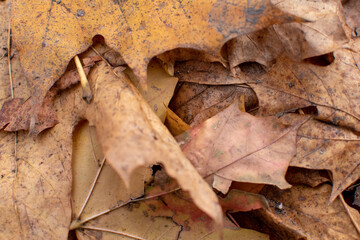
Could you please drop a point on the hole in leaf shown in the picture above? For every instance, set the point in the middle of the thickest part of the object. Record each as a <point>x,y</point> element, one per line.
<point>322,60</point>
<point>155,168</point>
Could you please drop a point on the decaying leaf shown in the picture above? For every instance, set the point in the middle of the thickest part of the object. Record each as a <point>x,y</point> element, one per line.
<point>168,216</point>
<point>194,103</point>
<point>138,30</point>
<point>36,177</point>
<point>240,147</point>
<point>325,146</point>
<point>303,212</point>
<point>15,114</point>
<point>323,34</point>
<point>332,89</point>
<point>351,10</point>
<point>204,73</point>
<point>132,136</point>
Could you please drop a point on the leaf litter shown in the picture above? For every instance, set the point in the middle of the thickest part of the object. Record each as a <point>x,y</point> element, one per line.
<point>310,72</point>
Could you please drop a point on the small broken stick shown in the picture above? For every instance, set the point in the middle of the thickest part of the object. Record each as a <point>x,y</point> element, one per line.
<point>87,95</point>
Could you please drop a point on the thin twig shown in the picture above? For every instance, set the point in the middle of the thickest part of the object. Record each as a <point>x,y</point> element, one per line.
<point>97,53</point>
<point>12,92</point>
<point>352,187</point>
<point>92,148</point>
<point>78,224</point>
<point>16,133</point>
<point>3,55</point>
<point>228,214</point>
<point>9,61</point>
<point>87,95</point>
<point>112,231</point>
<point>106,61</point>
<point>92,188</point>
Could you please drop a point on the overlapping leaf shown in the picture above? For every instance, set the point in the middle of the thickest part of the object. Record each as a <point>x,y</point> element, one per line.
<point>169,216</point>
<point>237,146</point>
<point>304,212</point>
<point>324,146</point>
<point>323,34</point>
<point>138,30</point>
<point>195,103</point>
<point>131,136</point>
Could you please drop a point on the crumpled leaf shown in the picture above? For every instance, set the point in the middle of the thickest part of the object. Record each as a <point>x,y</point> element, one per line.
<point>304,212</point>
<point>138,30</point>
<point>132,136</point>
<point>325,146</point>
<point>289,85</point>
<point>237,146</point>
<point>325,33</point>
<point>196,225</point>
<point>351,13</point>
<point>145,219</point>
<point>15,114</point>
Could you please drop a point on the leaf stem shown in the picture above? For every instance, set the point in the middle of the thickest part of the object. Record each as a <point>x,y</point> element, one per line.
<point>87,95</point>
<point>113,231</point>
<point>12,90</point>
<point>92,188</point>
<point>97,53</point>
<point>78,224</point>
<point>9,61</point>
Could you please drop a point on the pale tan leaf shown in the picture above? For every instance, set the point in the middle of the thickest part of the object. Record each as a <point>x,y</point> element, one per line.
<point>132,136</point>
<point>108,215</point>
<point>160,88</point>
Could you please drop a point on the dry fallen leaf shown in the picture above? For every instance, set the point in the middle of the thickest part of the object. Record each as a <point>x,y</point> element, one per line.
<point>332,89</point>
<point>204,73</point>
<point>138,30</point>
<point>323,34</point>
<point>174,123</point>
<point>194,103</point>
<point>169,216</point>
<point>325,146</point>
<point>36,172</point>
<point>36,178</point>
<point>132,136</point>
<point>237,146</point>
<point>15,114</point>
<point>160,88</point>
<point>303,212</point>
<point>351,10</point>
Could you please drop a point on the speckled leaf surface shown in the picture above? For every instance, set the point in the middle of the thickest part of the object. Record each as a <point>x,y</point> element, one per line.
<point>138,30</point>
